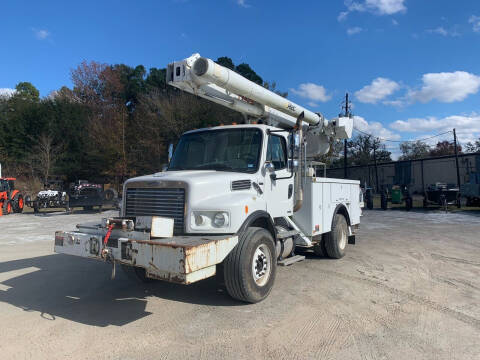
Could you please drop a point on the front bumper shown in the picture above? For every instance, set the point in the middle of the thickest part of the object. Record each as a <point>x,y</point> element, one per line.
<point>179,259</point>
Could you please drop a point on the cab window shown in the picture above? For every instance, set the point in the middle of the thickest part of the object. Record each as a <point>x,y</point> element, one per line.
<point>277,151</point>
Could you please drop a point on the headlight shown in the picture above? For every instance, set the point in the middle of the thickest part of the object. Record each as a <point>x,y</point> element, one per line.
<point>205,220</point>
<point>220,219</point>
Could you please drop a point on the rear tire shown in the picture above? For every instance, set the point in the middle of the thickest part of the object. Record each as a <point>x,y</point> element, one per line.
<point>250,268</point>
<point>336,240</point>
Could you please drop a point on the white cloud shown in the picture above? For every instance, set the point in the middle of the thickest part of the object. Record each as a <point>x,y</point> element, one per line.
<point>378,7</point>
<point>374,128</point>
<point>312,92</point>
<point>354,30</point>
<point>41,34</point>
<point>442,31</point>
<point>242,3</point>
<point>475,21</point>
<point>394,22</point>
<point>378,90</point>
<point>342,16</point>
<point>6,92</point>
<point>467,126</point>
<point>446,87</point>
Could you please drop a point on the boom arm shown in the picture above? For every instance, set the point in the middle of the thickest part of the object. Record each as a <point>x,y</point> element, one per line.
<point>205,78</point>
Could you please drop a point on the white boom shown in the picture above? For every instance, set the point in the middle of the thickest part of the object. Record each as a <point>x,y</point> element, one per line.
<point>205,78</point>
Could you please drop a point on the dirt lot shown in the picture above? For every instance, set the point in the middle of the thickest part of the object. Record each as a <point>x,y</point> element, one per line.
<point>409,289</point>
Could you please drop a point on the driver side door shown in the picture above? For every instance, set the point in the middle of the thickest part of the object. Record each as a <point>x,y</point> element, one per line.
<point>278,186</point>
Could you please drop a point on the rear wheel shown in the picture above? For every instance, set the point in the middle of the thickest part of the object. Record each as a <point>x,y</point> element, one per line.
<point>250,268</point>
<point>336,239</point>
<point>18,203</point>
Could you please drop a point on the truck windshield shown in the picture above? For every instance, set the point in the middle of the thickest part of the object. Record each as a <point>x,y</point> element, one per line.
<point>221,150</point>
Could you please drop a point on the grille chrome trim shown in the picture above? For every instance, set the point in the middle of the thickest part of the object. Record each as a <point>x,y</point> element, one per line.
<point>241,185</point>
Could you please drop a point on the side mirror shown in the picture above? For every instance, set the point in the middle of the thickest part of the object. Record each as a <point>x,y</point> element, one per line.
<point>170,152</point>
<point>269,167</point>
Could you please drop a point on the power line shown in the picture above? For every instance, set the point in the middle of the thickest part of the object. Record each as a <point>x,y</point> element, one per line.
<point>402,141</point>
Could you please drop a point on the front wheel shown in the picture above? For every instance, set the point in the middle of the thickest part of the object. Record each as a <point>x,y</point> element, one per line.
<point>250,268</point>
<point>18,203</point>
<point>336,239</point>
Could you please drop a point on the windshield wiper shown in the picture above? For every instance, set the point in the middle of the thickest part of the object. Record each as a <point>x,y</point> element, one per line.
<point>214,167</point>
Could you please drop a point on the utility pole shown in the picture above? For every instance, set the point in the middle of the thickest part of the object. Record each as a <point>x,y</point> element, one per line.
<point>345,152</point>
<point>456,157</point>
<point>375,163</point>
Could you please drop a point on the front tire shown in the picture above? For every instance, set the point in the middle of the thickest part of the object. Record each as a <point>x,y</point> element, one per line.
<point>336,240</point>
<point>251,267</point>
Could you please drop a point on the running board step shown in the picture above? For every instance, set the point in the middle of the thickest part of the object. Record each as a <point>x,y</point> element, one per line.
<point>291,260</point>
<point>287,234</point>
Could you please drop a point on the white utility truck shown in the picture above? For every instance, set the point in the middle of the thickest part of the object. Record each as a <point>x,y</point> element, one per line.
<point>240,199</point>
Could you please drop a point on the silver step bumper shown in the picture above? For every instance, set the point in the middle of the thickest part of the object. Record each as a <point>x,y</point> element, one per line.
<point>180,259</point>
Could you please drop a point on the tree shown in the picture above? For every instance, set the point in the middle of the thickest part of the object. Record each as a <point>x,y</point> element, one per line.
<point>246,71</point>
<point>226,62</point>
<point>27,91</point>
<point>100,88</point>
<point>412,150</point>
<point>361,150</point>
<point>445,148</point>
<point>45,153</point>
<point>473,146</point>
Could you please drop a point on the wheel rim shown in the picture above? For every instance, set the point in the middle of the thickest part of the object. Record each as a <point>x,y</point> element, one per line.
<point>261,265</point>
<point>20,203</point>
<point>343,240</point>
<point>9,208</point>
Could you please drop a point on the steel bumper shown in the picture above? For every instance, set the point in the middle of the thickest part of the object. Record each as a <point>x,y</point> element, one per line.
<point>180,259</point>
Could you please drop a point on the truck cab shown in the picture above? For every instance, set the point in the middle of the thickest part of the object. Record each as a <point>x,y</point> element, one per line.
<point>220,176</point>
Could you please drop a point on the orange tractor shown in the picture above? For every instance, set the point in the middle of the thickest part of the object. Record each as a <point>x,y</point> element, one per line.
<point>11,200</point>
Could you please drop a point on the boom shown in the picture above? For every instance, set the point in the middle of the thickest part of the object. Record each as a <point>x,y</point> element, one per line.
<point>207,79</point>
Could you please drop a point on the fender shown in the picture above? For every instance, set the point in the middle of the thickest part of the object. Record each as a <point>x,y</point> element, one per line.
<point>14,192</point>
<point>342,209</point>
<point>259,216</point>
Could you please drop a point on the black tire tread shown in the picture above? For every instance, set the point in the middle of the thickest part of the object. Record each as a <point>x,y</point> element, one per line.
<point>233,276</point>
<point>330,241</point>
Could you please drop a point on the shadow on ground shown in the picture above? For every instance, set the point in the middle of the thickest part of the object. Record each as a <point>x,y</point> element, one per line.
<point>81,290</point>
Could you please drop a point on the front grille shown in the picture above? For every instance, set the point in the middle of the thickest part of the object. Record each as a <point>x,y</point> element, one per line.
<point>241,184</point>
<point>166,202</point>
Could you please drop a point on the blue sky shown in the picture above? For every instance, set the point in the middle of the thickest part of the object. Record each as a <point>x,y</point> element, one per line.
<point>411,66</point>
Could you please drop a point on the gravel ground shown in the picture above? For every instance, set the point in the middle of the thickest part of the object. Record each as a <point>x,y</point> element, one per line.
<point>409,289</point>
